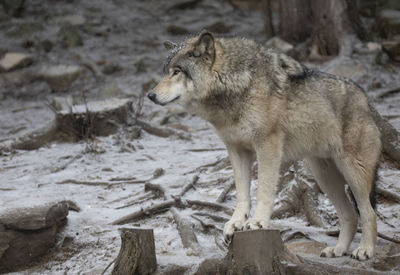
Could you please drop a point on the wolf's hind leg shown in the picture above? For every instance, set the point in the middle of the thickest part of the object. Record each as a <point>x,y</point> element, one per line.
<point>360,177</point>
<point>332,182</point>
<point>242,161</point>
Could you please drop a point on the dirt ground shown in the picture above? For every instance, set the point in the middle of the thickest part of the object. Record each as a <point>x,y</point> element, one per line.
<point>121,50</point>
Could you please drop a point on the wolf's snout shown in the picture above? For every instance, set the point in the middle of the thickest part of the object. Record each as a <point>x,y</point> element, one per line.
<point>152,96</point>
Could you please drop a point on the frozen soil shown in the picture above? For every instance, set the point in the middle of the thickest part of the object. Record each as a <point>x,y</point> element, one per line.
<point>130,34</point>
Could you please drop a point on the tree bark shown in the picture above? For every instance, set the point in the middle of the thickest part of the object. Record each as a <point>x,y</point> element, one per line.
<point>334,22</point>
<point>295,23</point>
<point>137,255</point>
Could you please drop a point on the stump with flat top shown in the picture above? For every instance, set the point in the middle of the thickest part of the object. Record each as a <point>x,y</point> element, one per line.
<point>137,254</point>
<point>256,252</point>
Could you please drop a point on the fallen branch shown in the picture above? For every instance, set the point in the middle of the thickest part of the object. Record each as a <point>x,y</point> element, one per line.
<point>145,212</point>
<point>99,183</point>
<point>161,131</point>
<point>189,186</point>
<point>388,92</point>
<point>206,150</point>
<point>202,168</point>
<point>206,226</point>
<point>158,190</point>
<point>387,194</point>
<point>123,179</point>
<point>212,205</point>
<point>212,216</point>
<point>335,233</point>
<point>221,198</point>
<point>189,239</point>
<point>136,201</point>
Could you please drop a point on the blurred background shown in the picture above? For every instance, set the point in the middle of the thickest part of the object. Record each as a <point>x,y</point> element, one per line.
<point>77,129</point>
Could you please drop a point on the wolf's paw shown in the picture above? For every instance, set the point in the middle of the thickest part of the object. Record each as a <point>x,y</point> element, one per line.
<point>252,224</point>
<point>230,227</point>
<point>362,253</point>
<point>333,251</point>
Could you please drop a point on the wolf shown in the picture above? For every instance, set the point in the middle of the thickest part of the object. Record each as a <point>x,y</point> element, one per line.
<point>266,106</point>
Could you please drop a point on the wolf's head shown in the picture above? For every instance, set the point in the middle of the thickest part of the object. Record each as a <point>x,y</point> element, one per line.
<point>186,71</point>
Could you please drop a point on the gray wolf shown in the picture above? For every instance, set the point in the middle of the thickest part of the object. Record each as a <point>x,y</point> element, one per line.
<point>266,106</point>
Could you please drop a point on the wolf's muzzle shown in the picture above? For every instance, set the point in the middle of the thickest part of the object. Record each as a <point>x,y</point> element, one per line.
<point>152,97</point>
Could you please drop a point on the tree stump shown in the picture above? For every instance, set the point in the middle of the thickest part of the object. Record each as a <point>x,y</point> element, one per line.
<point>256,252</point>
<point>137,254</point>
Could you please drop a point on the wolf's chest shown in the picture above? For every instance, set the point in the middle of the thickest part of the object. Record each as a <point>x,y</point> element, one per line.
<point>241,135</point>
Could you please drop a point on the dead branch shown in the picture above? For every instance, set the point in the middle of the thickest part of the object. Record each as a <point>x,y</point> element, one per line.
<point>161,131</point>
<point>203,167</point>
<point>185,230</point>
<point>221,198</point>
<point>145,212</point>
<point>99,183</point>
<point>212,216</point>
<point>123,179</point>
<point>387,92</point>
<point>90,183</point>
<point>189,186</point>
<point>139,200</point>
<point>213,205</point>
<point>206,226</point>
<point>158,190</point>
<point>335,233</point>
<point>387,194</point>
<point>206,150</point>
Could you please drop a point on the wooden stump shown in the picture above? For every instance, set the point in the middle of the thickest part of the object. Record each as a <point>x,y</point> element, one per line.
<point>137,254</point>
<point>256,252</point>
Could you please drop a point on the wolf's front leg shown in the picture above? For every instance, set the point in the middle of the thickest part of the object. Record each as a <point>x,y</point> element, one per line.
<point>242,161</point>
<point>269,155</point>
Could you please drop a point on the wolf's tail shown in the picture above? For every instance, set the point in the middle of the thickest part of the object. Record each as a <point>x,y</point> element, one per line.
<point>372,195</point>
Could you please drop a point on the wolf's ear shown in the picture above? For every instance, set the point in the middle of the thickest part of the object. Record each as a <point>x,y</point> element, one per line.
<point>169,45</point>
<point>204,44</point>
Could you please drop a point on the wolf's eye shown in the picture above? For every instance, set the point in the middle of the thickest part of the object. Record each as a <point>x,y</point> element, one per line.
<point>176,72</point>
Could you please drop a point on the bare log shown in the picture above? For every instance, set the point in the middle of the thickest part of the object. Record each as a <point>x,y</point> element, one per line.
<point>212,205</point>
<point>137,254</point>
<point>161,131</point>
<point>185,229</point>
<point>145,212</point>
<point>221,198</point>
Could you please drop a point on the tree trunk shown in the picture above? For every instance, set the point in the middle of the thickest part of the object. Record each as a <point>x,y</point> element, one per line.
<point>334,22</point>
<point>137,254</point>
<point>295,23</point>
<point>268,23</point>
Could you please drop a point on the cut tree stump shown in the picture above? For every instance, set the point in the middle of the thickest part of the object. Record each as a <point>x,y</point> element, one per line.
<point>256,252</point>
<point>137,254</point>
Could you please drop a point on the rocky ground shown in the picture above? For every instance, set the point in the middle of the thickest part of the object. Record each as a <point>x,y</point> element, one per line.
<point>77,52</point>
